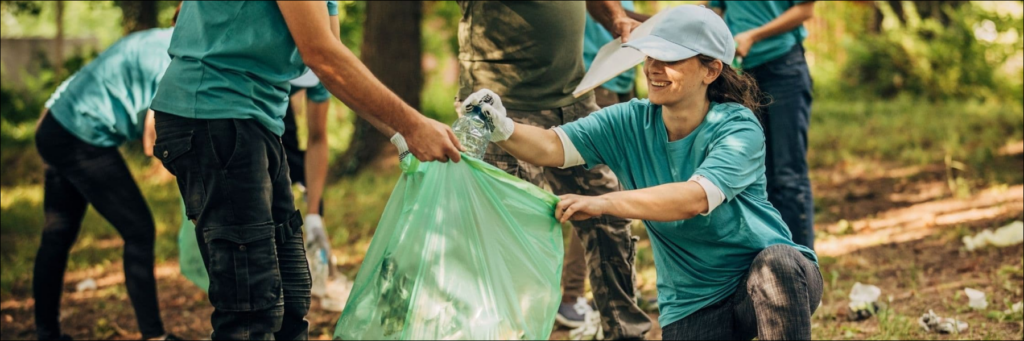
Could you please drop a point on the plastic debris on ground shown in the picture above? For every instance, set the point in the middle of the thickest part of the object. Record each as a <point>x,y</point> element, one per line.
<point>336,293</point>
<point>1015,309</point>
<point>863,301</point>
<point>1008,235</point>
<point>88,284</point>
<point>591,328</point>
<point>977,299</point>
<point>462,251</point>
<point>943,325</point>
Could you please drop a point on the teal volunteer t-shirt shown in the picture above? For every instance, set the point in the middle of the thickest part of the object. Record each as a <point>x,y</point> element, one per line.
<point>104,104</point>
<point>231,59</point>
<point>742,16</point>
<point>594,37</point>
<point>699,261</point>
<point>317,93</point>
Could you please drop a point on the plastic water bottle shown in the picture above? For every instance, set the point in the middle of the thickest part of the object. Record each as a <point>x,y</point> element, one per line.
<point>474,132</point>
<point>320,269</point>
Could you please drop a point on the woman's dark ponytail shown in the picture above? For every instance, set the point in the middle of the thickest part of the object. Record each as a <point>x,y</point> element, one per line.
<point>732,86</point>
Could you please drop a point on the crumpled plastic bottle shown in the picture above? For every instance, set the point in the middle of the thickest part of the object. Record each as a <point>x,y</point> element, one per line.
<point>474,132</point>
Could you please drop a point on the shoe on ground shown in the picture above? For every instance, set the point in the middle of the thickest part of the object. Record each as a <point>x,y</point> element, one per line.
<point>573,315</point>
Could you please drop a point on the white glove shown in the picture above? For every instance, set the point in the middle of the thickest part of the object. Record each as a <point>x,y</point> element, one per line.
<point>315,234</point>
<point>403,149</point>
<point>490,105</point>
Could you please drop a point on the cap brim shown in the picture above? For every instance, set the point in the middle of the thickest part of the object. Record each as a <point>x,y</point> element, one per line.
<point>307,80</point>
<point>660,49</point>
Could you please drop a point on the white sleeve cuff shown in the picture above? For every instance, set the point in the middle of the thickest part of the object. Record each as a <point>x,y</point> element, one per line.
<point>715,195</point>
<point>572,156</point>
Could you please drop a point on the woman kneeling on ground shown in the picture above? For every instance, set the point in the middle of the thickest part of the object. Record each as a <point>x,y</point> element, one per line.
<point>692,160</point>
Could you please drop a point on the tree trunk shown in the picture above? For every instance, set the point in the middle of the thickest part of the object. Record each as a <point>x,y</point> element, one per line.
<point>138,15</point>
<point>58,66</point>
<point>391,50</point>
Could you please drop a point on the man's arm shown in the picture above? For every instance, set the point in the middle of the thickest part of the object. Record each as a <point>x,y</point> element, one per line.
<point>347,78</point>
<point>637,16</point>
<point>614,19</point>
<point>316,141</point>
<point>790,19</point>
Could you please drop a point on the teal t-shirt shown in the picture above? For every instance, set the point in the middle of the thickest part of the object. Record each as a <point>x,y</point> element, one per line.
<point>104,104</point>
<point>594,37</point>
<point>318,93</point>
<point>231,59</point>
<point>742,16</point>
<point>699,261</point>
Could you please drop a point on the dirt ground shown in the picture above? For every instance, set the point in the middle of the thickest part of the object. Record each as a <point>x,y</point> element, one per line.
<point>897,228</point>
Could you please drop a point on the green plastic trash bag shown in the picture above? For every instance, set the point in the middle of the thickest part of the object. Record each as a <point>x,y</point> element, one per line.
<point>189,258</point>
<point>463,251</point>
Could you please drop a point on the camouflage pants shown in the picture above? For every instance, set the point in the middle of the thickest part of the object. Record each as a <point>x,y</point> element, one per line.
<point>606,240</point>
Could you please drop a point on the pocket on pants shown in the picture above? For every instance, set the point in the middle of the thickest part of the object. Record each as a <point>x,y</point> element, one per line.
<point>244,274</point>
<point>177,156</point>
<point>167,151</point>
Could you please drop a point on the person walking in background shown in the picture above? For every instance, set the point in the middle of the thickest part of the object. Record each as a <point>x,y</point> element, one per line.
<point>769,37</point>
<point>99,108</point>
<point>308,168</point>
<point>531,54</point>
<point>218,114</point>
<point>574,307</point>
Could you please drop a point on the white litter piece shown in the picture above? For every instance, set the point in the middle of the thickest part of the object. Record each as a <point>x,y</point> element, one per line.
<point>1015,309</point>
<point>977,299</point>
<point>863,301</point>
<point>87,285</point>
<point>591,328</point>
<point>1008,235</point>
<point>862,293</point>
<point>338,290</point>
<point>935,323</point>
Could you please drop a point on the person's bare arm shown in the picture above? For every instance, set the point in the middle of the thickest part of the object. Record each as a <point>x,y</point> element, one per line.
<point>148,133</point>
<point>345,76</point>
<point>535,145</point>
<point>668,202</point>
<point>614,19</point>
<point>637,16</point>
<point>790,19</point>
<point>316,153</point>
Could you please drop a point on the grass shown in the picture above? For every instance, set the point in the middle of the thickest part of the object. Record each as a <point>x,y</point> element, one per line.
<point>912,132</point>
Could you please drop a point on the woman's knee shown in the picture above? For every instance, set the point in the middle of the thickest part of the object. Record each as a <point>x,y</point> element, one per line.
<point>773,262</point>
<point>779,255</point>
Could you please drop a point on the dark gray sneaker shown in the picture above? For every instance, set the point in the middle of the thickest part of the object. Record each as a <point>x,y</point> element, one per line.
<point>573,315</point>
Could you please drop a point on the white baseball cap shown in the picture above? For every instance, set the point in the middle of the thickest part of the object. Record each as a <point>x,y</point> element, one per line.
<point>688,30</point>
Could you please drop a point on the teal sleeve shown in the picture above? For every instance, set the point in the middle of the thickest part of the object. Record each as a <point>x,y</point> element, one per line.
<point>735,158</point>
<point>332,8</point>
<point>318,93</point>
<point>597,137</point>
<point>716,4</point>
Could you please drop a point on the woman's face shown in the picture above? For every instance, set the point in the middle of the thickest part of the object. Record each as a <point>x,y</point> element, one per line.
<point>670,83</point>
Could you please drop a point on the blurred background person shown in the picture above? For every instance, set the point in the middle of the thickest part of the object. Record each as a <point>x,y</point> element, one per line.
<point>769,37</point>
<point>96,110</point>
